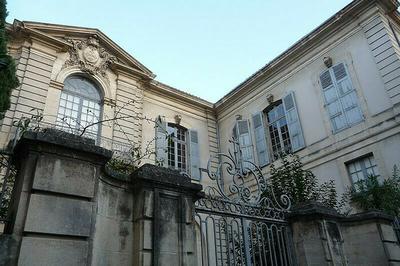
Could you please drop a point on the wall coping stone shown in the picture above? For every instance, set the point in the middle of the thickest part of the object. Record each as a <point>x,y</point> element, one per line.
<point>162,177</point>
<point>312,211</point>
<point>368,216</point>
<point>315,211</point>
<point>63,139</point>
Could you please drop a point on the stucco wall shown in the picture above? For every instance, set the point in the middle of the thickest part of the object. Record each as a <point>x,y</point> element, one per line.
<point>326,152</point>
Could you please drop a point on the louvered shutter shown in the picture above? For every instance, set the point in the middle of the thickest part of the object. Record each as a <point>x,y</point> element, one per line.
<point>194,155</point>
<point>332,102</point>
<point>347,94</point>
<point>245,143</point>
<point>260,141</point>
<point>161,141</point>
<point>293,121</point>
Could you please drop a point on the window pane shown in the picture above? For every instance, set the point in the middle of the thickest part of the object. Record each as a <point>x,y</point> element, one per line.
<point>278,130</point>
<point>362,168</point>
<point>81,86</point>
<point>177,151</point>
<point>275,141</point>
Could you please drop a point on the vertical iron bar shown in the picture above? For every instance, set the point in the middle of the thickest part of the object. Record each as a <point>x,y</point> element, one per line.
<point>259,243</point>
<point>284,245</point>
<point>246,242</point>
<point>263,227</point>
<point>253,248</point>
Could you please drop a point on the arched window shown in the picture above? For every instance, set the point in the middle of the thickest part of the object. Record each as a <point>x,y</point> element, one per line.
<point>80,107</point>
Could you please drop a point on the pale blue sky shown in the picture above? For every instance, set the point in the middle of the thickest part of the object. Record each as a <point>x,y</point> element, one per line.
<point>204,47</point>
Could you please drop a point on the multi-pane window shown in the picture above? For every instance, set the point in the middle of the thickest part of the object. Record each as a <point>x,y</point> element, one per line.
<point>278,131</point>
<point>79,107</point>
<point>340,98</point>
<point>362,168</point>
<point>177,147</point>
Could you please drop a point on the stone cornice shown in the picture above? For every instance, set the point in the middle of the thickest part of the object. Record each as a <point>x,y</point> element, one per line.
<point>169,91</point>
<point>305,45</point>
<point>45,32</point>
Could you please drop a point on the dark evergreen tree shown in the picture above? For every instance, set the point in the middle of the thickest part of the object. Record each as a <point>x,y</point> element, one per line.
<point>8,78</point>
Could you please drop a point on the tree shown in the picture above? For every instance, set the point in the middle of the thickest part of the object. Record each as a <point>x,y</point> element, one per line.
<point>373,194</point>
<point>8,78</point>
<point>301,185</point>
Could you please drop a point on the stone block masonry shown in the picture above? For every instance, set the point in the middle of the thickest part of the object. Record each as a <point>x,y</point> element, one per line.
<point>68,210</point>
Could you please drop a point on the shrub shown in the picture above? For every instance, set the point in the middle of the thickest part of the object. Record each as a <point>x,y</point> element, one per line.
<point>301,185</point>
<point>374,194</point>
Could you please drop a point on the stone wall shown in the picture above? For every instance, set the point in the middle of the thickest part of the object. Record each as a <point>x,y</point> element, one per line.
<point>323,237</point>
<point>68,210</point>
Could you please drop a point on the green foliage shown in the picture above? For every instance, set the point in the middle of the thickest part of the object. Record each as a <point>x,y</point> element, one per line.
<point>373,194</point>
<point>126,164</point>
<point>8,78</point>
<point>301,185</point>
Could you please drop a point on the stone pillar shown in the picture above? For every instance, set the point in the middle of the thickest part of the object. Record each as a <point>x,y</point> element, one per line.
<point>53,205</point>
<point>164,223</point>
<point>321,236</point>
<point>316,235</point>
<point>369,239</point>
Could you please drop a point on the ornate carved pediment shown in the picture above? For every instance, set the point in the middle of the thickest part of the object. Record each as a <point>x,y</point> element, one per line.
<point>89,56</point>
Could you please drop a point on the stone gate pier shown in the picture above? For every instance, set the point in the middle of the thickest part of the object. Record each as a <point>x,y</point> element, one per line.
<point>68,210</point>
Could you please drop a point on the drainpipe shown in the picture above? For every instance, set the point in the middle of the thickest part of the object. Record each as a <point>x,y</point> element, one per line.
<point>394,32</point>
<point>219,149</point>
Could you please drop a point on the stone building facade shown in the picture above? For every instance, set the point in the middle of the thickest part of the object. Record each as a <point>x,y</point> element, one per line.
<point>333,98</point>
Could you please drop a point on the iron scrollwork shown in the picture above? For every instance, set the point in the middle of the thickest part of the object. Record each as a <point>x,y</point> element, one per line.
<point>244,191</point>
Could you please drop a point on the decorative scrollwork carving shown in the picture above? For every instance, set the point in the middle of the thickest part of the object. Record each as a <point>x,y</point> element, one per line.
<point>89,56</point>
<point>244,191</point>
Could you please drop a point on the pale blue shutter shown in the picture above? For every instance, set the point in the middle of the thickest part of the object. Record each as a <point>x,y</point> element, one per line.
<point>161,141</point>
<point>293,121</point>
<point>245,143</point>
<point>332,102</point>
<point>347,94</point>
<point>260,141</point>
<point>194,155</point>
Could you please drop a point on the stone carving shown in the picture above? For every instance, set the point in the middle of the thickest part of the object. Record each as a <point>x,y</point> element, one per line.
<point>89,56</point>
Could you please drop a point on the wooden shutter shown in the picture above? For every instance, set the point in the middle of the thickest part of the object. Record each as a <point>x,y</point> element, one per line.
<point>332,102</point>
<point>293,121</point>
<point>245,143</point>
<point>260,141</point>
<point>194,155</point>
<point>347,94</point>
<point>161,141</point>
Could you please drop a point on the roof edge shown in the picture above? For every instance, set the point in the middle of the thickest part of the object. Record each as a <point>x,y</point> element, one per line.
<point>390,6</point>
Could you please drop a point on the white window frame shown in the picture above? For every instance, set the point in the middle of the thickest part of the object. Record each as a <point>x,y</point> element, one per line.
<point>365,170</point>
<point>78,102</point>
<point>172,130</point>
<point>280,135</point>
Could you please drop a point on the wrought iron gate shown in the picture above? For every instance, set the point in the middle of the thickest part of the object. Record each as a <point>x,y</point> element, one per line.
<point>396,227</point>
<point>242,223</point>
